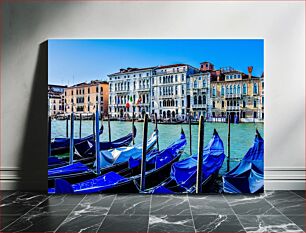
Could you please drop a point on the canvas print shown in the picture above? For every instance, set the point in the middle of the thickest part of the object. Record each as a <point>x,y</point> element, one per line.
<point>161,116</point>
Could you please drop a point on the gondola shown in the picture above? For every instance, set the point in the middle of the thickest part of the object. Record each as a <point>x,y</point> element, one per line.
<point>111,160</point>
<point>247,176</point>
<point>158,168</point>
<point>183,173</point>
<point>61,145</point>
<point>85,151</point>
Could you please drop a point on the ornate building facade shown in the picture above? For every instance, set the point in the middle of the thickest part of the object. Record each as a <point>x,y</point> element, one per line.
<point>84,97</point>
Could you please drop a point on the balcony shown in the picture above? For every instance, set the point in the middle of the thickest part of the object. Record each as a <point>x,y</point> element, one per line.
<point>143,88</point>
<point>199,106</point>
<point>231,96</point>
<point>232,108</point>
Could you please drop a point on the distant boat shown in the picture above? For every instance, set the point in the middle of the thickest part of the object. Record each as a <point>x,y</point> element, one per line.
<point>111,160</point>
<point>183,173</point>
<point>158,168</point>
<point>247,176</point>
<point>62,145</point>
<point>85,151</point>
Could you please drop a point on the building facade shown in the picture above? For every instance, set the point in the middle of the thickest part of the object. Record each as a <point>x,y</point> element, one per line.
<point>236,94</point>
<point>178,91</point>
<point>84,97</point>
<point>56,99</point>
<point>130,91</point>
<point>198,87</point>
<point>170,93</point>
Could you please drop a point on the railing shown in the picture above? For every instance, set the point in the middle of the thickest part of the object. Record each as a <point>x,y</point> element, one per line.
<point>233,108</point>
<point>232,95</point>
<point>199,106</point>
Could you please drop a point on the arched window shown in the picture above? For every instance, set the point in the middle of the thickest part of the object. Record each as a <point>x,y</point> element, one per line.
<point>231,89</point>
<point>255,89</point>
<point>234,92</point>
<point>195,100</point>
<point>200,99</point>
<point>204,99</point>
<point>238,89</point>
<point>245,89</point>
<point>204,82</point>
<point>227,90</point>
<point>214,91</point>
<point>195,84</point>
<point>222,91</point>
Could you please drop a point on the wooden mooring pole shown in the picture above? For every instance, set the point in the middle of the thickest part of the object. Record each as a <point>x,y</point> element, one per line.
<point>190,136</point>
<point>80,130</point>
<point>200,155</point>
<point>93,126</point>
<point>67,131</point>
<point>71,154</point>
<point>97,142</point>
<point>228,142</point>
<point>109,130</point>
<point>144,154</point>
<point>156,127</point>
<point>133,126</point>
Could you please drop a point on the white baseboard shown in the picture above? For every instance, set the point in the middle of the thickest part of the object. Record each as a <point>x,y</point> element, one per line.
<point>276,178</point>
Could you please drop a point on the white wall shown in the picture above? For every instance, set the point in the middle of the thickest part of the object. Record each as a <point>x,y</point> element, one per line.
<point>24,78</point>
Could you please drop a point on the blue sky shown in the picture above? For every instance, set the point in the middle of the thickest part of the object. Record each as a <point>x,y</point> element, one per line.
<point>74,61</point>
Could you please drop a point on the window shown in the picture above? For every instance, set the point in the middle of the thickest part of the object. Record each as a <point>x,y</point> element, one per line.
<point>222,91</point>
<point>243,104</point>
<point>88,90</point>
<point>255,115</point>
<point>195,84</point>
<point>204,83</point>
<point>183,77</point>
<point>231,89</point>
<point>245,89</point>
<point>183,90</point>
<point>255,104</point>
<point>176,78</point>
<point>183,103</point>
<point>214,91</point>
<point>214,104</point>
<point>238,89</point>
<point>195,100</point>
<point>222,104</point>
<point>255,89</point>
<point>234,91</point>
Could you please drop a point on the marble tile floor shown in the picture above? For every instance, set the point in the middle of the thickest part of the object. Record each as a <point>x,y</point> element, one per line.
<point>272,211</point>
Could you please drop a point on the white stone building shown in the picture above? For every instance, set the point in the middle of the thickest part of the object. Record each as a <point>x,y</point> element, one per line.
<point>130,84</point>
<point>170,98</point>
<point>198,87</point>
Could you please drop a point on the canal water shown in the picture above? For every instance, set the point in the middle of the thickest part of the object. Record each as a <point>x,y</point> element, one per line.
<point>242,135</point>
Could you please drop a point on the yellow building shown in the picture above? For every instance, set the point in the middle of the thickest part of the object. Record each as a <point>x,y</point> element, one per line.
<point>236,94</point>
<point>83,97</point>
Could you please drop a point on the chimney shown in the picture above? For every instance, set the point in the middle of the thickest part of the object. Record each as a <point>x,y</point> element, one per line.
<point>250,69</point>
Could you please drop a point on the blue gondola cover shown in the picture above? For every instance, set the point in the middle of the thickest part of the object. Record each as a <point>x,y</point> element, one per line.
<point>69,169</point>
<point>247,176</point>
<point>184,172</point>
<point>123,154</point>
